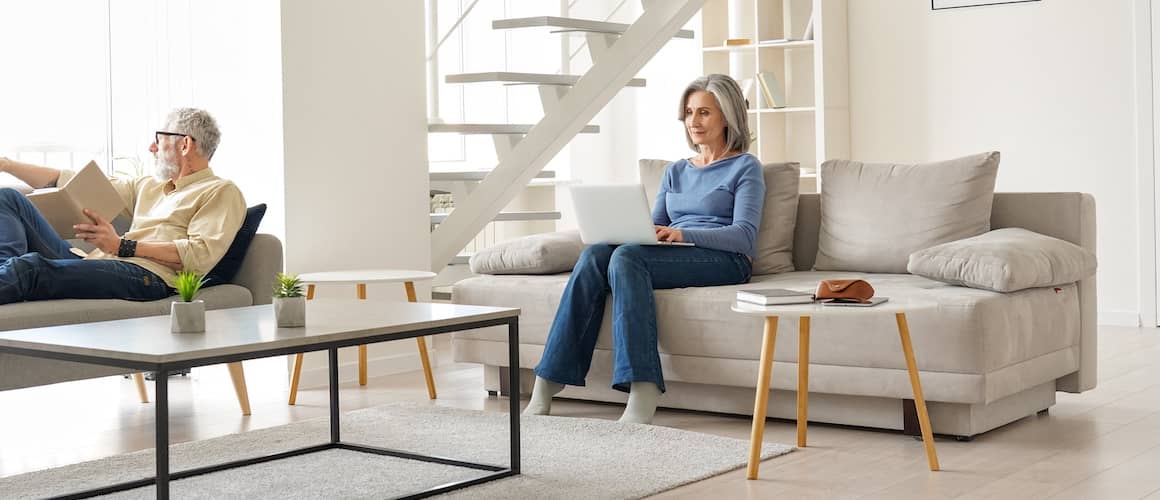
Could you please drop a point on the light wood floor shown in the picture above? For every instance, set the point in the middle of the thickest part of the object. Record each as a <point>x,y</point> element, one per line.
<point>1102,444</point>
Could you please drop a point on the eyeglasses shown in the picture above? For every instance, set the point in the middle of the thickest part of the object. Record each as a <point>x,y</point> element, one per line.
<point>157,135</point>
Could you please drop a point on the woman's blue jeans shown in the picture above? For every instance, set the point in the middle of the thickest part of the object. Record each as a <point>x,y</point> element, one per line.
<point>36,264</point>
<point>630,273</point>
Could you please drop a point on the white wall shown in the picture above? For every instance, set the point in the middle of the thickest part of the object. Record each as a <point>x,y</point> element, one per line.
<point>1049,84</point>
<point>354,121</point>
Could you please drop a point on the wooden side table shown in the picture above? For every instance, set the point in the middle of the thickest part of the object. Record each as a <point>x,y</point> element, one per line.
<point>360,280</point>
<point>897,307</point>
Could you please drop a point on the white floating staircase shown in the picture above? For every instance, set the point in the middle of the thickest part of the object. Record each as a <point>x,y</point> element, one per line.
<point>618,51</point>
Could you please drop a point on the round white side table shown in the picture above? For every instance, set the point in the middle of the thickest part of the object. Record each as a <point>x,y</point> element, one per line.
<point>360,279</point>
<point>897,307</point>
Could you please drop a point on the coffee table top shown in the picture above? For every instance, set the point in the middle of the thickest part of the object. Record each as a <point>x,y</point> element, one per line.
<point>366,276</point>
<point>817,309</point>
<point>244,330</point>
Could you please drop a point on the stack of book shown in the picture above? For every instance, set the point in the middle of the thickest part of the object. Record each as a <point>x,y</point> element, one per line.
<point>774,296</point>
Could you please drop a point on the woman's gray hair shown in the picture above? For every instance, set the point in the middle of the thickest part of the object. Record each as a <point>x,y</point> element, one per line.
<point>733,108</point>
<point>198,124</point>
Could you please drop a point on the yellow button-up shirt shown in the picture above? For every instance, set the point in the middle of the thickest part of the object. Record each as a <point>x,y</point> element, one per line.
<point>200,213</point>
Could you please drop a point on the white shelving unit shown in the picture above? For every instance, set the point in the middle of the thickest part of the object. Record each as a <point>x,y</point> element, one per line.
<point>813,75</point>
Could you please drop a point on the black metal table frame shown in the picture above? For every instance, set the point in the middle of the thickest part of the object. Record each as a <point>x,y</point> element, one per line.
<point>164,476</point>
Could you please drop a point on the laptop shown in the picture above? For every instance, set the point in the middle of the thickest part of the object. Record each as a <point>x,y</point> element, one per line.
<point>615,214</point>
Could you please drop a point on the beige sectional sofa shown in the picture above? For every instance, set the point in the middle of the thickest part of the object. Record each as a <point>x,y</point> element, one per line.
<point>985,358</point>
<point>250,286</point>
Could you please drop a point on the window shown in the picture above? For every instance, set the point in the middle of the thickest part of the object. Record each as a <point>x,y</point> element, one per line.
<point>54,100</point>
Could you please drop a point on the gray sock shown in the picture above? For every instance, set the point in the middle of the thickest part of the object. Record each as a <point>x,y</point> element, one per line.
<point>542,393</point>
<point>642,403</point>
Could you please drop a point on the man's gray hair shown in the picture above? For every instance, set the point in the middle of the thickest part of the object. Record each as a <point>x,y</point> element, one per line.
<point>198,124</point>
<point>733,108</point>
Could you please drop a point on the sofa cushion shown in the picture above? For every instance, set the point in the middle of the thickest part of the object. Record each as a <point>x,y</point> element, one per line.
<point>1004,260</point>
<point>227,268</point>
<point>874,215</point>
<point>1003,342</point>
<point>545,253</point>
<point>36,314</point>
<point>778,215</point>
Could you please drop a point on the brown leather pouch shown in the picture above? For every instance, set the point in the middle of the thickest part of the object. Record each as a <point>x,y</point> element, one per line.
<point>845,290</point>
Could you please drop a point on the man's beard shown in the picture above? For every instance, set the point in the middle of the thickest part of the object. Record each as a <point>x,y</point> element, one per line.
<point>165,169</point>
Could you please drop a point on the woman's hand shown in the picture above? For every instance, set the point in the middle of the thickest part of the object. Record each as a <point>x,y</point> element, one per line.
<point>665,233</point>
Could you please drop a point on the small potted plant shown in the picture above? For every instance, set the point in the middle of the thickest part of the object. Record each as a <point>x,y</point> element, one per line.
<point>187,315</point>
<point>289,301</point>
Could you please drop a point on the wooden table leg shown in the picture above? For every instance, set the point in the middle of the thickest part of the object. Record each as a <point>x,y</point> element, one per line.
<point>294,378</point>
<point>916,385</point>
<point>411,297</point>
<point>362,349</point>
<point>298,358</point>
<point>239,378</point>
<point>139,379</point>
<point>803,391</point>
<point>762,397</point>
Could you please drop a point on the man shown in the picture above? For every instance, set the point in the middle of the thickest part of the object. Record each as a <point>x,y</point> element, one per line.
<point>184,218</point>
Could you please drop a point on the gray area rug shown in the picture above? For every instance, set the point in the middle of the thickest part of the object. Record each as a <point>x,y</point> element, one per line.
<point>563,457</point>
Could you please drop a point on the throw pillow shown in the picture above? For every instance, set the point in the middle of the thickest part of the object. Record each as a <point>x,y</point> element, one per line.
<point>228,267</point>
<point>1004,260</point>
<point>778,213</point>
<point>545,253</point>
<point>874,215</point>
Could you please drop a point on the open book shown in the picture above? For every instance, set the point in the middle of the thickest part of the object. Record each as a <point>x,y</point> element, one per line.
<point>63,206</point>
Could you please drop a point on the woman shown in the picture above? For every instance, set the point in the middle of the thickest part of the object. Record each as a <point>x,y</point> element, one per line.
<point>713,200</point>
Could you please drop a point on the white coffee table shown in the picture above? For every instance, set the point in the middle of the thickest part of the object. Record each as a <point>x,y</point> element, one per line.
<point>896,307</point>
<point>234,335</point>
<point>360,278</point>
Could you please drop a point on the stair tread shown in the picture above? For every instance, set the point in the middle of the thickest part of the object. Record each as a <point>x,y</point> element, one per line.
<point>493,128</point>
<point>478,175</point>
<point>520,215</point>
<point>570,23</point>
<point>461,259</point>
<point>525,78</point>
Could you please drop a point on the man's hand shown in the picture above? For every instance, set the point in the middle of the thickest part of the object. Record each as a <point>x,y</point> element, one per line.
<point>665,233</point>
<point>100,233</point>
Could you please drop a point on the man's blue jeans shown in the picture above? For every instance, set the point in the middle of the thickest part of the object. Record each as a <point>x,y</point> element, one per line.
<point>35,263</point>
<point>630,273</point>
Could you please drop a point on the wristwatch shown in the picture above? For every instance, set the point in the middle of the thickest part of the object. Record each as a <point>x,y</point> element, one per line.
<point>128,248</point>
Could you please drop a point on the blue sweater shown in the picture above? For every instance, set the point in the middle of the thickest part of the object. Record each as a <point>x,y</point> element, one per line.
<point>717,206</point>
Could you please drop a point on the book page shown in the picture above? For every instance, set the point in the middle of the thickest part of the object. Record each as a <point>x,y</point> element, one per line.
<point>89,188</point>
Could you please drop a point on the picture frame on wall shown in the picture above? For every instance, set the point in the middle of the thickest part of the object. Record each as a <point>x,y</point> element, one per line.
<point>958,4</point>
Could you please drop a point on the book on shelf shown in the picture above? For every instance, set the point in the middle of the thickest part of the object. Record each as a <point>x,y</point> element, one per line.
<point>771,89</point>
<point>777,41</point>
<point>750,93</point>
<point>774,296</point>
<point>729,42</point>
<point>64,206</point>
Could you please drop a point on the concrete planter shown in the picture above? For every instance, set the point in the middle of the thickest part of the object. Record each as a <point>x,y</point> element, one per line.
<point>187,317</point>
<point>290,312</point>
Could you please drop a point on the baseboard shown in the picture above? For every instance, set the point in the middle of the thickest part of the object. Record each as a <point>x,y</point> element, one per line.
<point>1118,318</point>
<point>314,378</point>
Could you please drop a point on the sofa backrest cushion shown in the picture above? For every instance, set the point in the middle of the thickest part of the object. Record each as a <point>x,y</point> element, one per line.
<point>227,268</point>
<point>874,215</point>
<point>778,215</point>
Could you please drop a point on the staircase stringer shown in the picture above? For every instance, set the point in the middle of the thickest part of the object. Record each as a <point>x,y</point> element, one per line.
<point>618,64</point>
